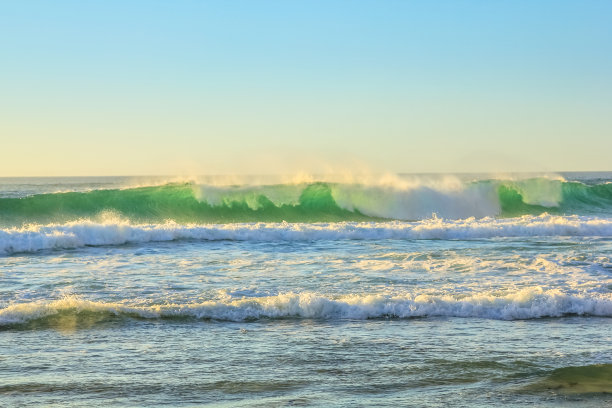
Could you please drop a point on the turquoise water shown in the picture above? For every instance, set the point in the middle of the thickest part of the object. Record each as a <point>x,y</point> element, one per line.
<point>412,291</point>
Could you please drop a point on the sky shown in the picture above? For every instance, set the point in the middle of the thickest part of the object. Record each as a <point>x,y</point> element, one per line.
<point>263,87</point>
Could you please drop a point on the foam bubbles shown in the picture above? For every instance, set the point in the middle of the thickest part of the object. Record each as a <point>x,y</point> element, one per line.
<point>113,231</point>
<point>528,303</point>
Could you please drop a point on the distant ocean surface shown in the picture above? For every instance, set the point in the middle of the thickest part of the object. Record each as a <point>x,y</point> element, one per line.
<point>396,290</point>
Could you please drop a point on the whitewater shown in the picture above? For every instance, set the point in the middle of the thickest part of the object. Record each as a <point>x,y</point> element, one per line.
<point>333,290</point>
<point>83,233</point>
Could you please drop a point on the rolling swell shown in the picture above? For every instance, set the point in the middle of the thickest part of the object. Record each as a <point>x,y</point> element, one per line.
<point>589,379</point>
<point>312,202</point>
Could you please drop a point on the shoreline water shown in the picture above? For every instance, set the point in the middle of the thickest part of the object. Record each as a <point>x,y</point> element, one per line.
<point>99,308</point>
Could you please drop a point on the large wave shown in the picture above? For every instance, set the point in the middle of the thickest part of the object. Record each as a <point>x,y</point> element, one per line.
<point>314,202</point>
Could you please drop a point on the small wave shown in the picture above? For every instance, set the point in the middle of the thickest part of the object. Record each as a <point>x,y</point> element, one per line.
<point>529,303</point>
<point>590,379</point>
<point>114,231</point>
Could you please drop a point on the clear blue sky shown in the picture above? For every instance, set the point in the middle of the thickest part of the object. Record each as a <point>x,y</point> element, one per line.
<point>210,87</point>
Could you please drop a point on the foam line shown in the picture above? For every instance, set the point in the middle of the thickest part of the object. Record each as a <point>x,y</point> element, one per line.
<point>83,233</point>
<point>529,303</point>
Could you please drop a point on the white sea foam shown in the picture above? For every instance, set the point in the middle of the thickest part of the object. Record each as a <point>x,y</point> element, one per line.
<point>386,196</point>
<point>117,232</point>
<point>529,303</point>
<point>411,202</point>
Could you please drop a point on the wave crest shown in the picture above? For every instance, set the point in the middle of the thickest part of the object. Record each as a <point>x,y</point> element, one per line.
<point>406,200</point>
<point>529,303</point>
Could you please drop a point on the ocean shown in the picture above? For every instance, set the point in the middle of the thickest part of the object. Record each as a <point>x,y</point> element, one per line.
<point>335,291</point>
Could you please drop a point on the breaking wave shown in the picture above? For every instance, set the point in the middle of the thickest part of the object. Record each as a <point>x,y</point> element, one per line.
<point>529,303</point>
<point>114,231</point>
<point>314,202</point>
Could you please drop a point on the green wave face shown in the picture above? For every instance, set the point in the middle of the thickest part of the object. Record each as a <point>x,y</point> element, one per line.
<point>513,203</point>
<point>536,196</point>
<point>314,202</point>
<point>174,202</point>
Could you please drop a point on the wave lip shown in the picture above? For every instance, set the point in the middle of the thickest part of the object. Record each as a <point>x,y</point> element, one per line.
<point>113,231</point>
<point>529,303</point>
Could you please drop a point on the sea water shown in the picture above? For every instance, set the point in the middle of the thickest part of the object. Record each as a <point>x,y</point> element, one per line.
<point>409,290</point>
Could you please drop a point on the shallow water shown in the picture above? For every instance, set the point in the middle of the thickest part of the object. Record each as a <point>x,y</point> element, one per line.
<point>432,361</point>
<point>434,311</point>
